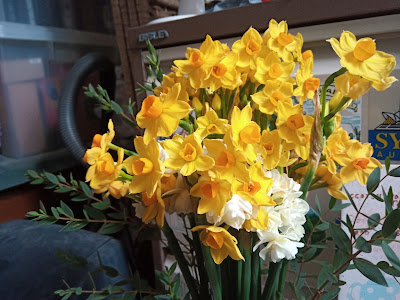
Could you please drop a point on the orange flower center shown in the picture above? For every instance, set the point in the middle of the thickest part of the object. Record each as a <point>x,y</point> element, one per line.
<point>219,70</point>
<point>250,134</point>
<point>188,152</point>
<point>295,122</point>
<point>168,182</point>
<point>307,54</point>
<point>275,97</point>
<point>284,39</point>
<point>275,71</point>
<point>106,167</point>
<point>269,147</point>
<point>147,201</point>
<point>311,84</point>
<point>210,189</point>
<point>196,58</point>
<point>165,90</point>
<point>364,49</point>
<point>96,140</point>
<point>360,163</point>
<point>252,47</point>
<point>251,188</point>
<point>212,128</point>
<point>151,107</point>
<point>142,166</point>
<point>215,240</point>
<point>225,159</point>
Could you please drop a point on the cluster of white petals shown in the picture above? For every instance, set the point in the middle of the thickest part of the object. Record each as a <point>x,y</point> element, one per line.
<point>286,219</point>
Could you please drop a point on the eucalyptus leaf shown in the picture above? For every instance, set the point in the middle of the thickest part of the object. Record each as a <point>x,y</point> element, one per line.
<point>370,271</point>
<point>387,163</point>
<point>110,228</point>
<point>332,202</point>
<point>94,213</point>
<point>66,210</point>
<point>340,237</point>
<point>395,172</point>
<point>392,222</point>
<point>373,220</point>
<point>363,245</point>
<point>331,294</point>
<point>373,180</point>
<point>340,206</point>
<point>51,177</point>
<point>391,255</point>
<point>85,188</point>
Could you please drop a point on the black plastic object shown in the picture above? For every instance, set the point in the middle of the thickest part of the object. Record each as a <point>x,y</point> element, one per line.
<point>69,94</point>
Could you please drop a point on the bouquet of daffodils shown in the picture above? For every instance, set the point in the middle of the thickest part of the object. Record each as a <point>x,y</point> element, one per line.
<point>226,146</point>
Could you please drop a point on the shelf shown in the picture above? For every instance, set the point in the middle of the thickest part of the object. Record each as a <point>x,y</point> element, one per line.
<point>12,170</point>
<point>235,21</point>
<point>26,32</point>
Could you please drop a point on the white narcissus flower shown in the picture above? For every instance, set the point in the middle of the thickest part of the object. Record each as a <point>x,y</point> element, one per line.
<point>293,212</point>
<point>236,211</point>
<point>278,247</point>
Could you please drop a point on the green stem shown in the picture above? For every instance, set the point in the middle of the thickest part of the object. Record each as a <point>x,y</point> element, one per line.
<point>282,279</point>
<point>125,176</point>
<point>115,147</point>
<point>180,258</point>
<point>335,110</point>
<point>327,83</point>
<point>239,273</point>
<point>232,97</point>
<point>247,276</point>
<point>272,281</point>
<point>308,177</point>
<point>255,273</point>
<point>200,260</point>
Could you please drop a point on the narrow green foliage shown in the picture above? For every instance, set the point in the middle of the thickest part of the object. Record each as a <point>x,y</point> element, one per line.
<point>370,271</point>
<point>391,223</point>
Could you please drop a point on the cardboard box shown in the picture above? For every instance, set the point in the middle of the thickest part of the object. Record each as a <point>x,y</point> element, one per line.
<point>23,127</point>
<point>21,70</point>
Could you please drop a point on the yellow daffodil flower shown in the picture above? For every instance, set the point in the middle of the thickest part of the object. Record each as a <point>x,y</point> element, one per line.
<point>357,162</point>
<point>271,149</point>
<point>307,85</point>
<point>229,161</point>
<point>249,47</point>
<point>335,144</point>
<point>199,63</point>
<point>360,57</point>
<point>224,74</point>
<point>213,192</point>
<point>352,86</point>
<point>186,155</point>
<point>160,115</point>
<point>279,40</point>
<point>333,181</point>
<point>294,127</point>
<point>104,171</point>
<point>146,167</point>
<point>256,190</point>
<point>271,68</point>
<point>118,189</point>
<point>220,241</point>
<point>154,208</point>
<point>273,92</point>
<point>99,145</point>
<point>260,222</point>
<point>169,81</point>
<point>245,133</point>
<point>211,124</point>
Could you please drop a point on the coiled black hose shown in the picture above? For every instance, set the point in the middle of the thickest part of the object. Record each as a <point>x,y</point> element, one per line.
<point>69,94</point>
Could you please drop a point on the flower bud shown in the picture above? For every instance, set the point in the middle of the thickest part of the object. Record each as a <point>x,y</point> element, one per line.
<point>330,127</point>
<point>197,106</point>
<point>216,103</point>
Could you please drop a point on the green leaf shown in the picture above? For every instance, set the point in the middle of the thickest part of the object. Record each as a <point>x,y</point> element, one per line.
<point>117,216</point>
<point>78,291</point>
<point>94,213</point>
<point>116,107</point>
<point>74,225</point>
<point>323,226</point>
<point>391,256</point>
<point>110,228</point>
<point>79,198</point>
<point>326,274</point>
<point>385,267</point>
<point>373,220</point>
<point>110,271</point>
<point>176,286</point>
<point>340,237</point>
<point>339,260</point>
<point>388,200</point>
<point>97,297</point>
<point>102,205</point>
<point>61,178</point>
<point>129,296</point>
<point>47,221</point>
<point>363,245</point>
<point>332,202</point>
<point>66,210</point>
<point>66,296</point>
<point>331,294</point>
<point>395,172</point>
<point>377,197</point>
<point>51,177</point>
<point>63,190</point>
<point>392,222</point>
<point>387,163</point>
<point>32,173</point>
<point>162,277</point>
<point>32,214</point>
<point>370,271</point>
<point>173,268</point>
<point>55,213</point>
<point>341,206</point>
<point>373,180</point>
<point>85,188</point>
<point>37,181</point>
<point>163,297</point>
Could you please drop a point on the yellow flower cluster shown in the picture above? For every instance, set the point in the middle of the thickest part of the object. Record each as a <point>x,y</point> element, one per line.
<point>242,110</point>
